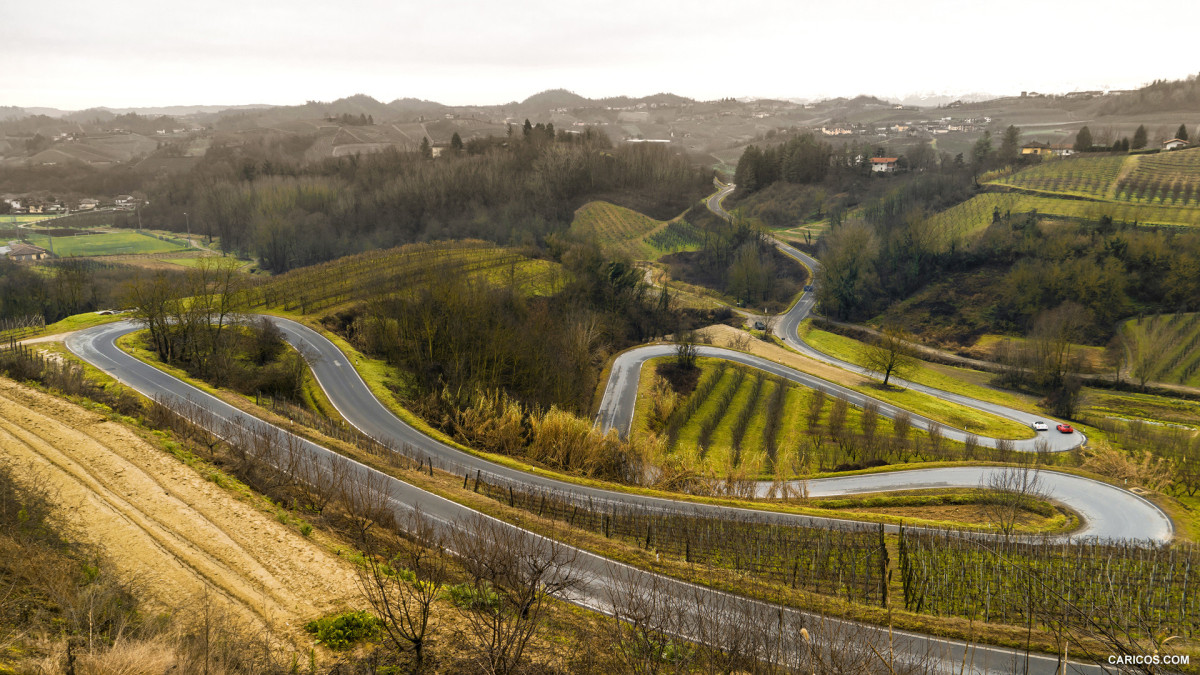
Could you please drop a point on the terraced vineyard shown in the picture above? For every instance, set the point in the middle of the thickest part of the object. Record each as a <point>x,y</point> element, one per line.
<point>1170,344</point>
<point>1083,177</point>
<point>1154,189</point>
<point>1171,178</point>
<point>678,235</point>
<point>740,419</point>
<point>631,233</point>
<point>376,273</point>
<point>965,220</point>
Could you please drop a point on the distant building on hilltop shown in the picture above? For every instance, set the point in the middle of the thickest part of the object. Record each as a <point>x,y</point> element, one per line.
<point>1174,144</point>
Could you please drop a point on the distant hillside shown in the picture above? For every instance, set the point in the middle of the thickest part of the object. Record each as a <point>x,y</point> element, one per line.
<point>561,98</point>
<point>1158,96</point>
<point>11,112</point>
<point>555,98</point>
<point>358,104</point>
<point>90,115</point>
<point>662,99</point>
<point>415,106</point>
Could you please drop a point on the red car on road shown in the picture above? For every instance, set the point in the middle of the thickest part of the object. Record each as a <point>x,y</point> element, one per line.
<point>1066,428</point>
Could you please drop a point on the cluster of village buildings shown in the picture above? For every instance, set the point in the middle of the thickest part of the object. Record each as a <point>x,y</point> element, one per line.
<point>944,125</point>
<point>31,206</point>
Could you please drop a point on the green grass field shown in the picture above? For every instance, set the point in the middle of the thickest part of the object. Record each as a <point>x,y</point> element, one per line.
<point>1171,343</point>
<point>22,219</point>
<point>947,378</point>
<point>1092,357</point>
<point>631,233</point>
<point>1155,189</point>
<point>108,243</point>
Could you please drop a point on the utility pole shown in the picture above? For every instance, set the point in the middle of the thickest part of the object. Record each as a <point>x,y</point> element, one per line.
<point>189,227</point>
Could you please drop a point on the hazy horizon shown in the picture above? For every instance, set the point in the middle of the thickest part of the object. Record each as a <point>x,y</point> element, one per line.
<point>467,53</point>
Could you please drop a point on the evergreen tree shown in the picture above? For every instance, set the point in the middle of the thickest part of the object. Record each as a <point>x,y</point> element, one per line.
<point>1139,138</point>
<point>1182,133</point>
<point>746,173</point>
<point>528,128</point>
<point>1010,149</point>
<point>456,143</point>
<point>426,149</point>
<point>982,153</point>
<point>1083,140</point>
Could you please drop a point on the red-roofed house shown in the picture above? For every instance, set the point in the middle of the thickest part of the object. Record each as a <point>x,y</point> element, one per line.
<point>1174,143</point>
<point>884,164</point>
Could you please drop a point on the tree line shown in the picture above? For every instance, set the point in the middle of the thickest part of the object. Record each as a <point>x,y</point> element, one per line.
<point>266,200</point>
<point>61,288</point>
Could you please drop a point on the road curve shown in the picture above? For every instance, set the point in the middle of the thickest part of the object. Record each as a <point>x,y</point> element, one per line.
<point>1109,512</point>
<point>787,328</point>
<point>347,391</point>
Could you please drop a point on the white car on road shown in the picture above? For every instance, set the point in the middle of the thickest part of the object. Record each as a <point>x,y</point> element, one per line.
<point>1040,426</point>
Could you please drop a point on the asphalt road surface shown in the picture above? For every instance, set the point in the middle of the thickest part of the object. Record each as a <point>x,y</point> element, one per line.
<point>787,329</point>
<point>602,577</point>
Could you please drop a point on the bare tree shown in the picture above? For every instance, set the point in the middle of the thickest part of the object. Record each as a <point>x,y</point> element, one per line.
<point>889,354</point>
<point>644,637</point>
<point>901,426</point>
<point>685,350</point>
<point>816,403</point>
<point>769,323</point>
<point>1146,350</point>
<point>521,570</point>
<point>935,440</point>
<point>364,497</point>
<point>869,421</point>
<point>1054,333</point>
<point>1013,488</point>
<point>837,417</point>
<point>401,586</point>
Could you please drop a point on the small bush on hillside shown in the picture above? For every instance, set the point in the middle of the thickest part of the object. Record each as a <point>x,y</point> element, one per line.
<point>466,596</point>
<point>344,630</point>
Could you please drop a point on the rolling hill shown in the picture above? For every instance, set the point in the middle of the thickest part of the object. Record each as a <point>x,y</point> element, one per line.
<point>630,233</point>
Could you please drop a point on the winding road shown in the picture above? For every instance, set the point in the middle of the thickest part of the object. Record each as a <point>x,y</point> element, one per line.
<point>1109,512</point>
<point>603,577</point>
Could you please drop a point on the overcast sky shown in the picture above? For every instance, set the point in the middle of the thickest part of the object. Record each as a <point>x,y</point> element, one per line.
<point>75,54</point>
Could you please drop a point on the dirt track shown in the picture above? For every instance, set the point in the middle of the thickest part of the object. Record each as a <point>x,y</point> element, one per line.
<point>165,527</point>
